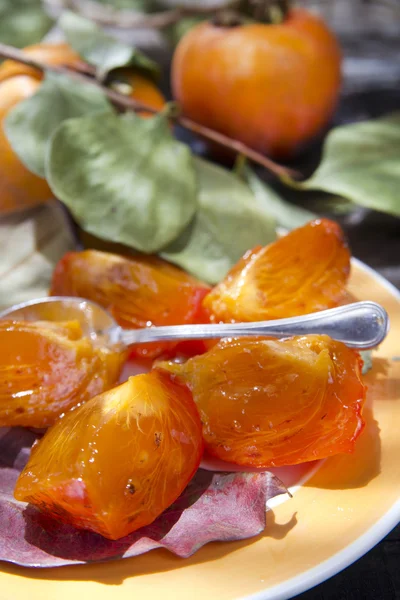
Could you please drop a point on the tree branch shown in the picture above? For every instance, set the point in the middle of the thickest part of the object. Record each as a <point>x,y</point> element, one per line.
<point>85,74</point>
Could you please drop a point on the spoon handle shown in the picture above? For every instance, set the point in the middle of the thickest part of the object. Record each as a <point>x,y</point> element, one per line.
<point>359,325</point>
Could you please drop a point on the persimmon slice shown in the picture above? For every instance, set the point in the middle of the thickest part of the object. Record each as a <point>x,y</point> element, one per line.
<point>115,463</point>
<point>46,368</point>
<point>138,291</point>
<point>270,403</point>
<point>302,272</point>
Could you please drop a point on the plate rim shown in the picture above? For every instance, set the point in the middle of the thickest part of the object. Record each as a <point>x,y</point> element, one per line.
<point>354,551</point>
<point>335,564</point>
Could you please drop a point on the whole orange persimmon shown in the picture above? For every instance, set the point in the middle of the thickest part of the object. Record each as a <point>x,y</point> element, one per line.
<point>19,188</point>
<point>271,86</point>
<point>115,463</point>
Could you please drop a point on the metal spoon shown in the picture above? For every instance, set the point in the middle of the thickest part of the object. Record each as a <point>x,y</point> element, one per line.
<point>359,325</point>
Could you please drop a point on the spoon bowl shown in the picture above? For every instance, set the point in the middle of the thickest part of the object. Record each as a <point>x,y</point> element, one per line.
<point>94,319</point>
<point>360,325</point>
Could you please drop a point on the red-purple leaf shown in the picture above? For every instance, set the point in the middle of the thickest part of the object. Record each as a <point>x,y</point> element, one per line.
<point>214,506</point>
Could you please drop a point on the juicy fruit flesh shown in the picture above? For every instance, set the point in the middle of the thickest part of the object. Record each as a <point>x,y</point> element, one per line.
<point>139,292</point>
<point>275,403</point>
<point>46,368</point>
<point>115,463</point>
<point>302,272</point>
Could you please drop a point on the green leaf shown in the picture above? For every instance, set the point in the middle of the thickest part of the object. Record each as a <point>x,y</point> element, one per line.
<point>31,244</point>
<point>361,162</point>
<point>23,23</point>
<point>124,178</point>
<point>31,123</point>
<point>286,214</point>
<point>100,49</point>
<point>228,222</point>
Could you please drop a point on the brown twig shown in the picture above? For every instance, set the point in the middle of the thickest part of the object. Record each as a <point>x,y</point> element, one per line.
<point>84,74</point>
<point>237,147</point>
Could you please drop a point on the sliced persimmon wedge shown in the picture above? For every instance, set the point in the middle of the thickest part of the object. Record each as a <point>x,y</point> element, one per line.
<point>139,291</point>
<point>115,463</point>
<point>302,272</point>
<point>267,403</point>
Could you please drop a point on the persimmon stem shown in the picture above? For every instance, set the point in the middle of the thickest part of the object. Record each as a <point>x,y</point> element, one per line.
<point>84,73</point>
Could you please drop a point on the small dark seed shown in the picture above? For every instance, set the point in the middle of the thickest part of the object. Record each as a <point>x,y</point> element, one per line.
<point>131,488</point>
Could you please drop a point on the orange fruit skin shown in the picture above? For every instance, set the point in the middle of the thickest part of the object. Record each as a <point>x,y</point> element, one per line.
<point>302,272</point>
<point>272,87</point>
<point>115,463</point>
<point>46,368</point>
<point>51,54</point>
<point>143,89</point>
<point>267,403</point>
<point>139,291</point>
<point>19,188</point>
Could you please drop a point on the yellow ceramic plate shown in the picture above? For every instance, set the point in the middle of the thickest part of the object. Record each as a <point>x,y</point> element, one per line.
<point>347,505</point>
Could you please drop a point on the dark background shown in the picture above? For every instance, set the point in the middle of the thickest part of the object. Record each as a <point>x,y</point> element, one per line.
<point>376,576</point>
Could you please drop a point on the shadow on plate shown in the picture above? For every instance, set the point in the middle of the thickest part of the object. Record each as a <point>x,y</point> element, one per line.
<point>350,471</point>
<point>15,445</point>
